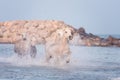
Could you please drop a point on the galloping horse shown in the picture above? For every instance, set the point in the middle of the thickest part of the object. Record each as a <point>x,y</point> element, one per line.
<point>57,46</point>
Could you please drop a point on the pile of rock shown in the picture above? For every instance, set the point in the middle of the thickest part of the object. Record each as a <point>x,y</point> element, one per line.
<point>26,34</point>
<point>39,30</point>
<point>93,40</point>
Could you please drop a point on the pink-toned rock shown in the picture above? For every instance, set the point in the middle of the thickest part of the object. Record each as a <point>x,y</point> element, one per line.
<point>93,40</point>
<point>40,29</point>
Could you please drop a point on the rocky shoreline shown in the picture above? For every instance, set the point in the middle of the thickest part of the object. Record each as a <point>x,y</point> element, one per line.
<point>89,39</point>
<point>11,31</point>
<point>39,30</point>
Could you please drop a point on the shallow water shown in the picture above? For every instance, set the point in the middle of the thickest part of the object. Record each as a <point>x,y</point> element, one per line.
<point>87,63</point>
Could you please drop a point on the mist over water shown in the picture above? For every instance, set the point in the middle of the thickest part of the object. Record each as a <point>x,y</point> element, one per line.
<point>87,63</point>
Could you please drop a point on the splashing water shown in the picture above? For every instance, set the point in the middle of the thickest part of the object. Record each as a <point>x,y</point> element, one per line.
<point>87,63</point>
<point>116,78</point>
<point>26,61</point>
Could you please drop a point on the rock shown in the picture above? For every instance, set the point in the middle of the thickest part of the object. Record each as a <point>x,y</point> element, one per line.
<point>11,31</point>
<point>93,40</point>
<point>26,34</point>
<point>104,43</point>
<point>81,30</point>
<point>110,39</point>
<point>114,41</point>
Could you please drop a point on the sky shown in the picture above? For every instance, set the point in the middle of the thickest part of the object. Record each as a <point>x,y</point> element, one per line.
<point>96,16</point>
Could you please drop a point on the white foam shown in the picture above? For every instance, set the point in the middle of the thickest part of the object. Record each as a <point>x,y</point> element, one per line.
<point>80,57</point>
<point>118,78</point>
<point>25,61</point>
<point>28,61</point>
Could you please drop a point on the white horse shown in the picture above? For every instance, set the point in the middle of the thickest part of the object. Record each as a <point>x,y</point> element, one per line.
<point>57,46</point>
<point>25,47</point>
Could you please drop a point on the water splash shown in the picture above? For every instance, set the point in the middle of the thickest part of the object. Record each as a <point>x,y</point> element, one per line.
<point>24,61</point>
<point>87,63</point>
<point>80,57</point>
<point>118,78</point>
<point>27,61</point>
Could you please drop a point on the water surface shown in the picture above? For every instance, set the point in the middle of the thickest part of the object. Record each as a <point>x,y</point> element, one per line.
<point>87,63</point>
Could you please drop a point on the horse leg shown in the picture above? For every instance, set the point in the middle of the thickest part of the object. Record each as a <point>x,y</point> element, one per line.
<point>48,57</point>
<point>33,51</point>
<point>68,59</point>
<point>57,60</point>
<point>67,56</point>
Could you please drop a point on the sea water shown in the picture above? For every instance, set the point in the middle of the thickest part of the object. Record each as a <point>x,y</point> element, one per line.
<point>87,63</point>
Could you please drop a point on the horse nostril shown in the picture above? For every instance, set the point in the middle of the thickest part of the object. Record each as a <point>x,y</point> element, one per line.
<point>50,56</point>
<point>67,61</point>
<point>24,39</point>
<point>70,37</point>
